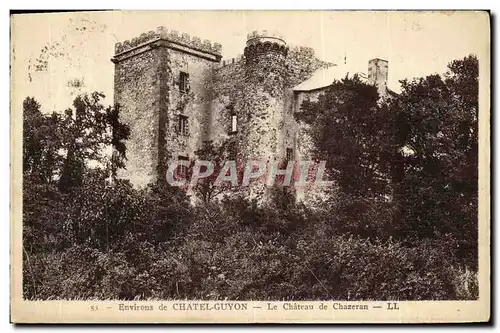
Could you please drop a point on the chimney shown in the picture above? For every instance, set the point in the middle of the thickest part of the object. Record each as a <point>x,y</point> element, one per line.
<point>378,73</point>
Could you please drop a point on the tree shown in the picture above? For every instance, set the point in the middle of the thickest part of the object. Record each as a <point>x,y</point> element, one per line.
<point>87,134</point>
<point>352,133</point>
<point>41,159</point>
<point>217,154</point>
<point>437,133</point>
<point>418,149</point>
<point>61,146</point>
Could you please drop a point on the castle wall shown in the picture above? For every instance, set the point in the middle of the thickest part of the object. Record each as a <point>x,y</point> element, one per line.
<point>265,74</point>
<point>137,91</point>
<point>260,93</point>
<point>147,72</point>
<point>301,64</point>
<point>256,95</point>
<point>257,88</point>
<point>304,141</point>
<point>312,195</point>
<point>195,104</point>
<point>288,136</point>
<point>228,91</point>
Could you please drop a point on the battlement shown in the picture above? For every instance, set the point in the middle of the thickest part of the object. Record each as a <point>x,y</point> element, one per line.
<point>173,36</point>
<point>264,42</point>
<point>308,51</point>
<point>265,34</point>
<point>230,61</point>
<point>303,50</point>
<point>265,37</point>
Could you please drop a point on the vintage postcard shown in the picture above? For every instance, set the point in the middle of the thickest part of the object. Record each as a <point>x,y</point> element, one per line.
<point>250,167</point>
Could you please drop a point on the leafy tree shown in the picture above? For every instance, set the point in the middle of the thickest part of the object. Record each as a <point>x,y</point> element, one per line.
<point>217,154</point>
<point>351,133</point>
<point>418,149</point>
<point>86,136</point>
<point>58,152</point>
<point>61,146</point>
<point>41,143</point>
<point>437,133</point>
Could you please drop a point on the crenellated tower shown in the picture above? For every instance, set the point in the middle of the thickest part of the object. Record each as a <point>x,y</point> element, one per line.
<point>259,101</point>
<point>265,55</point>
<point>175,94</point>
<point>265,76</point>
<point>161,81</point>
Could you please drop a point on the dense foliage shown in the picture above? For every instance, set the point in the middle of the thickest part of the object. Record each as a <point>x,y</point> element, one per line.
<point>408,163</point>
<point>402,226</point>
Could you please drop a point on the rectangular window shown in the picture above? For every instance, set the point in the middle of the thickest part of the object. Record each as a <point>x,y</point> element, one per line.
<point>289,154</point>
<point>234,123</point>
<point>183,165</point>
<point>183,82</point>
<point>183,125</point>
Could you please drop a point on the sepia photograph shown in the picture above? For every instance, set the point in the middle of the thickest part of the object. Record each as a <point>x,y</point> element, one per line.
<point>221,165</point>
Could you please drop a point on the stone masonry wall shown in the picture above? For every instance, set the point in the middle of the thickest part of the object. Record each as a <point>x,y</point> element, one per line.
<point>260,94</point>
<point>252,88</point>
<point>137,91</point>
<point>228,88</point>
<point>311,195</point>
<point>256,88</point>
<point>301,64</point>
<point>265,77</point>
<point>195,104</point>
<point>147,88</point>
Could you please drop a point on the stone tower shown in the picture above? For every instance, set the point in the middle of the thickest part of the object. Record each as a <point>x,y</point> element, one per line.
<point>160,80</point>
<point>263,102</point>
<point>265,75</point>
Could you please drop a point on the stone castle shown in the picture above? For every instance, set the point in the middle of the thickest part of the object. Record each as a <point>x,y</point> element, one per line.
<point>176,92</point>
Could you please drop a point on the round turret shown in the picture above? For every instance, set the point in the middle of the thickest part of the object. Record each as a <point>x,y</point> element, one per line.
<point>261,42</point>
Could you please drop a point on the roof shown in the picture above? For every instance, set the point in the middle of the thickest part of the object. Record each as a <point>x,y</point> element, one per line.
<point>325,77</point>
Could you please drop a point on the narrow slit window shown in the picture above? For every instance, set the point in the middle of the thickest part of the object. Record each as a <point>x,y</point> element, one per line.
<point>234,123</point>
<point>183,165</point>
<point>183,125</point>
<point>289,154</point>
<point>183,82</point>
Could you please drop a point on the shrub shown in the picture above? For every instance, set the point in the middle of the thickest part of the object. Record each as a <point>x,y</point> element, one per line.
<point>131,244</point>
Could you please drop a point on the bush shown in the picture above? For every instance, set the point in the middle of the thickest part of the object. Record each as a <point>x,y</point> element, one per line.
<point>254,266</point>
<point>122,243</point>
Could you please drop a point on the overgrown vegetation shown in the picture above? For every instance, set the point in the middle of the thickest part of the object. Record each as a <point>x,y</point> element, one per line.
<point>403,226</point>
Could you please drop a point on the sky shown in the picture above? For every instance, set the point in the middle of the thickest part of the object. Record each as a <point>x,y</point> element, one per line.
<point>73,50</point>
